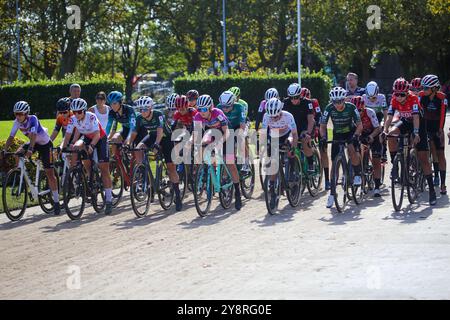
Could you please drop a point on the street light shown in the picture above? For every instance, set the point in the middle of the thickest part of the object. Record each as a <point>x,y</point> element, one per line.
<point>224,31</point>
<point>299,48</point>
<point>19,69</point>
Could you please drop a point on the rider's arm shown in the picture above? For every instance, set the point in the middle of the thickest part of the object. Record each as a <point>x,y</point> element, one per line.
<point>55,130</point>
<point>294,137</point>
<point>390,115</point>
<point>159,135</point>
<point>8,143</point>
<point>108,130</point>
<point>444,105</point>
<point>95,139</point>
<point>311,124</point>
<point>324,122</point>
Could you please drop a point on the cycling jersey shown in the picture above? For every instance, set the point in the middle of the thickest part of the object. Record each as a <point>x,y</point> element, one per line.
<point>369,120</point>
<point>31,125</point>
<point>245,105</point>
<point>217,120</point>
<point>150,126</point>
<point>260,114</point>
<point>343,121</point>
<point>236,115</point>
<point>281,126</point>
<point>87,127</point>
<point>406,110</point>
<point>434,110</point>
<point>358,92</point>
<point>317,111</point>
<point>300,112</point>
<point>127,119</point>
<point>379,105</point>
<point>62,122</point>
<point>185,119</point>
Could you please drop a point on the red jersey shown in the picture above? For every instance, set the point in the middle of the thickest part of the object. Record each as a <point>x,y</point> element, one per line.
<point>434,110</point>
<point>186,119</point>
<point>406,110</point>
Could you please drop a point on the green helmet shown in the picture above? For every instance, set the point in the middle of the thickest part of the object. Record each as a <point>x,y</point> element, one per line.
<point>236,91</point>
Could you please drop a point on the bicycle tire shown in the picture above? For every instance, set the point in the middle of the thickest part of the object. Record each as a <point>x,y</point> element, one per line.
<point>46,201</point>
<point>203,184</point>
<point>248,189</point>
<point>358,191</point>
<point>140,191</point>
<point>268,195</point>
<point>397,200</point>
<point>293,190</point>
<point>12,180</point>
<point>225,194</point>
<point>97,193</point>
<point>164,187</point>
<point>413,177</point>
<point>312,184</point>
<point>74,185</point>
<point>117,181</point>
<point>339,163</point>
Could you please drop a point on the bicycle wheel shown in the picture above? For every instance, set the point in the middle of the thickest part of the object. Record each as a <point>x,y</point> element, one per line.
<point>97,192</point>
<point>15,195</point>
<point>413,177</point>
<point>226,188</point>
<point>117,181</point>
<point>272,196</point>
<point>45,197</point>
<point>248,182</point>
<point>140,191</point>
<point>182,174</point>
<point>203,190</point>
<point>164,187</point>
<point>261,176</point>
<point>74,193</point>
<point>339,179</point>
<point>398,184</point>
<point>314,180</point>
<point>294,182</point>
<point>357,191</point>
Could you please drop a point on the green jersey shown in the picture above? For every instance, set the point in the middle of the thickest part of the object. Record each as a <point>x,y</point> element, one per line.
<point>236,116</point>
<point>146,126</point>
<point>343,121</point>
<point>245,105</point>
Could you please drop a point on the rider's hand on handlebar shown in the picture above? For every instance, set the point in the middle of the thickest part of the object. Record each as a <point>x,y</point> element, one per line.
<point>416,139</point>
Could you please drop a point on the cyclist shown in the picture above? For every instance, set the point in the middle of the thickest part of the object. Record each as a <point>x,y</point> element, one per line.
<point>306,93</point>
<point>434,104</point>
<point>411,121</point>
<point>170,108</point>
<point>152,132</point>
<point>75,91</point>
<point>344,116</point>
<point>270,93</point>
<point>370,136</point>
<point>279,125</point>
<point>209,117</point>
<point>64,114</point>
<point>119,113</point>
<point>31,127</point>
<point>352,86</point>
<point>89,135</point>
<point>192,96</point>
<point>237,93</point>
<point>184,115</point>
<point>100,109</point>
<point>416,86</point>
<point>302,111</point>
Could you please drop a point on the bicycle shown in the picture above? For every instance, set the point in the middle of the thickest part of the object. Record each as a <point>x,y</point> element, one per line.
<point>289,178</point>
<point>18,187</point>
<point>344,179</point>
<point>120,168</point>
<point>368,172</point>
<point>313,180</point>
<point>77,188</point>
<point>407,167</point>
<point>141,189</point>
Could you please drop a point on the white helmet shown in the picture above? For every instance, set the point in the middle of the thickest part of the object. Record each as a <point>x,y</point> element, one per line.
<point>227,98</point>
<point>338,93</point>
<point>144,102</point>
<point>78,104</point>
<point>372,89</point>
<point>21,106</point>
<point>430,81</point>
<point>271,93</point>
<point>170,101</point>
<point>274,107</point>
<point>205,101</point>
<point>294,90</point>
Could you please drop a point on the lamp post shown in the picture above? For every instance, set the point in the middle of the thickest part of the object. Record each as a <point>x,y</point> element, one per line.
<point>299,47</point>
<point>19,68</point>
<point>224,32</point>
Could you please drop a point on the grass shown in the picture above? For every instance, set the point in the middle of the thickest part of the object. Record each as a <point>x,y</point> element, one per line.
<point>6,126</point>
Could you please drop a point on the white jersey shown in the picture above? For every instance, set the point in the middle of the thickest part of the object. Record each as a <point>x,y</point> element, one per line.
<point>102,117</point>
<point>379,105</point>
<point>280,127</point>
<point>87,127</point>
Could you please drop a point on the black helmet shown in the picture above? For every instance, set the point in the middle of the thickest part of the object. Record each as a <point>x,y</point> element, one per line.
<point>63,104</point>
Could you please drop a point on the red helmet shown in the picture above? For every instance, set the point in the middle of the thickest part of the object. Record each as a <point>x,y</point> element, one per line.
<point>416,84</point>
<point>358,101</point>
<point>192,94</point>
<point>305,93</point>
<point>181,102</point>
<point>400,85</point>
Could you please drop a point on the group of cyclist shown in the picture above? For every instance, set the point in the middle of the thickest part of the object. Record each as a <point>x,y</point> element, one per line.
<point>359,115</point>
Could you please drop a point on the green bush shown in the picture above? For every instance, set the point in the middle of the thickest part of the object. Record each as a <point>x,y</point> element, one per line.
<point>8,162</point>
<point>254,85</point>
<point>43,95</point>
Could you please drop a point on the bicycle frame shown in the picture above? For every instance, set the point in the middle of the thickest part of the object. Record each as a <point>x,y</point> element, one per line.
<point>215,172</point>
<point>24,176</point>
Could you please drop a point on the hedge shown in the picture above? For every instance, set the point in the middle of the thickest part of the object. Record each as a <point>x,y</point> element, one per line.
<point>43,95</point>
<point>254,85</point>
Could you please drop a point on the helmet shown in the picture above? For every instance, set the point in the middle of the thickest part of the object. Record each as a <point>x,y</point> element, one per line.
<point>78,104</point>
<point>274,107</point>
<point>205,101</point>
<point>294,90</point>
<point>192,95</point>
<point>227,98</point>
<point>63,104</point>
<point>430,81</point>
<point>114,96</point>
<point>372,89</point>
<point>271,93</point>
<point>236,91</point>
<point>21,106</point>
<point>416,84</point>
<point>400,85</point>
<point>358,101</point>
<point>305,93</point>
<point>181,102</point>
<point>170,101</point>
<point>144,103</point>
<point>337,93</point>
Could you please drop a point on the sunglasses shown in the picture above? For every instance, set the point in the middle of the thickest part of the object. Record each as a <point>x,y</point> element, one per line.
<point>400,94</point>
<point>203,109</point>
<point>19,114</point>
<point>425,87</point>
<point>227,107</point>
<point>192,99</point>
<point>295,98</point>
<point>339,101</point>
<point>144,110</point>
<point>78,112</point>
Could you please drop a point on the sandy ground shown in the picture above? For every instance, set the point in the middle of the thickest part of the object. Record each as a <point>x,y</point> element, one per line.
<point>309,252</point>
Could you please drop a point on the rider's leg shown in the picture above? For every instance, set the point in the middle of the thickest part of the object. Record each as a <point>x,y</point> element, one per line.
<point>423,157</point>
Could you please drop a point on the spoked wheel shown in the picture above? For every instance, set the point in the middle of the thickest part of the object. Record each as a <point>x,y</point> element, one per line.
<point>203,190</point>
<point>117,181</point>
<point>74,193</point>
<point>397,183</point>
<point>183,180</point>
<point>314,180</point>
<point>248,182</point>
<point>227,188</point>
<point>358,191</point>
<point>140,191</point>
<point>294,182</point>
<point>413,184</point>
<point>164,187</point>
<point>339,177</point>
<point>272,195</point>
<point>97,192</point>
<point>45,197</point>
<point>15,195</point>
